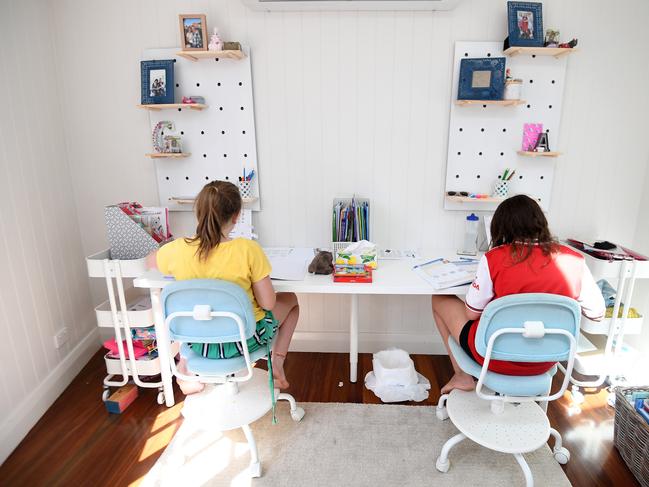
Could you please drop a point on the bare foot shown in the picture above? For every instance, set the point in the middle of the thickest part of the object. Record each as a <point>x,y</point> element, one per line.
<point>279,377</point>
<point>461,381</point>
<point>189,386</point>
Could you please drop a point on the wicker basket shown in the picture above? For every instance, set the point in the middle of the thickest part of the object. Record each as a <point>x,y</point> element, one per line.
<point>632,435</point>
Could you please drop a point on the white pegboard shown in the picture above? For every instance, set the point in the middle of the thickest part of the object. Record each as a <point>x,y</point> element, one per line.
<point>220,138</point>
<point>484,140</point>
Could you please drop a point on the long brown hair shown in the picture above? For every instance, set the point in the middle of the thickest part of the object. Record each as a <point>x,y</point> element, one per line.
<point>520,222</point>
<point>215,205</point>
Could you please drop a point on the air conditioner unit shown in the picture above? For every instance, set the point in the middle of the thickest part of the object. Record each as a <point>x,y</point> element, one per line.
<point>304,5</point>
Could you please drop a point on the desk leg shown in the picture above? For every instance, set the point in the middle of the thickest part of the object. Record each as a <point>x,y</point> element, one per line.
<point>162,338</point>
<point>353,339</point>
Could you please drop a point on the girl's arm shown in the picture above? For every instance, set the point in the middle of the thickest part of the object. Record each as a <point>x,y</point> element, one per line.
<point>480,292</point>
<point>151,260</point>
<point>264,293</point>
<point>590,298</point>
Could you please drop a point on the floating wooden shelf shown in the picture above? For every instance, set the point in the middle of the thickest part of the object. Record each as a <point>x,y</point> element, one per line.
<point>557,52</point>
<point>467,199</point>
<point>164,106</point>
<point>504,103</point>
<point>538,154</point>
<point>173,155</point>
<point>196,55</point>
<point>190,201</point>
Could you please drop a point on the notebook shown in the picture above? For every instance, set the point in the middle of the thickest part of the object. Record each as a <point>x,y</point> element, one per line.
<point>444,273</point>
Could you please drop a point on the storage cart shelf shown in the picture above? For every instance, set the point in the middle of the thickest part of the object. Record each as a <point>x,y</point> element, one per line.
<point>140,313</point>
<point>129,268</point>
<point>592,360</point>
<point>145,367</point>
<point>633,326</point>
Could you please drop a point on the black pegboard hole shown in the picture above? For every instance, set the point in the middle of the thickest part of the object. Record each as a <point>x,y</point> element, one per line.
<point>227,178</point>
<point>547,131</point>
<point>541,177</point>
<point>479,153</point>
<point>218,84</point>
<point>529,106</point>
<point>225,155</point>
<point>221,108</point>
<point>531,81</point>
<point>241,108</point>
<point>180,109</point>
<point>502,153</point>
<point>533,56</point>
<point>207,178</point>
<point>240,83</point>
<point>167,178</point>
<point>461,129</point>
<point>478,176</point>
<point>198,85</point>
<point>481,130</point>
<point>182,133</point>
<point>484,106</point>
<point>222,132</point>
<point>550,106</point>
<point>488,54</point>
<point>245,155</point>
<point>216,59</point>
<point>204,155</point>
<point>202,132</point>
<point>457,176</point>
<point>552,81</point>
<point>504,130</point>
<point>466,54</point>
<point>187,178</point>
<point>177,85</point>
<point>459,153</point>
<point>520,177</point>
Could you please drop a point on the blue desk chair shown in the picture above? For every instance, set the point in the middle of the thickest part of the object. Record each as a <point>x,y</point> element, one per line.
<point>502,413</point>
<point>236,394</point>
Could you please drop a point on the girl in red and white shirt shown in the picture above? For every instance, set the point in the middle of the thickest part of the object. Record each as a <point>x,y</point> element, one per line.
<point>524,258</point>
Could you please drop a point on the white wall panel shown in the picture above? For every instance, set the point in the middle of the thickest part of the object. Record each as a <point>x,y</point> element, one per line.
<point>358,102</point>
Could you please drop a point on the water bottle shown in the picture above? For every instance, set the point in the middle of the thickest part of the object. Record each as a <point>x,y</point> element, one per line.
<point>470,236</point>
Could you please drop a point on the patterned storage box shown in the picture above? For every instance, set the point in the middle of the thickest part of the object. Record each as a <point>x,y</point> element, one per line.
<point>632,434</point>
<point>127,239</point>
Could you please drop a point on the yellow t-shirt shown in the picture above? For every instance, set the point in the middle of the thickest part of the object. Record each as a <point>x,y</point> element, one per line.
<point>240,261</point>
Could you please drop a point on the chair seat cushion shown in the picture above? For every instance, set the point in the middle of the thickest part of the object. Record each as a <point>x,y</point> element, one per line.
<point>510,385</point>
<point>200,365</point>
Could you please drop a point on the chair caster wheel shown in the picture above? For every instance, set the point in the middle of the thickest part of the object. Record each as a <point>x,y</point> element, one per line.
<point>105,395</point>
<point>255,470</point>
<point>161,398</point>
<point>562,455</point>
<point>441,413</point>
<point>442,466</point>
<point>298,414</point>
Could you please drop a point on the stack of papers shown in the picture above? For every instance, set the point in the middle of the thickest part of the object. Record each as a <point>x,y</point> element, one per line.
<point>444,273</point>
<point>288,263</point>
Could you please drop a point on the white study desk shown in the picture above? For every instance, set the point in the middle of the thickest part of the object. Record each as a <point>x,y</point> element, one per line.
<point>393,277</point>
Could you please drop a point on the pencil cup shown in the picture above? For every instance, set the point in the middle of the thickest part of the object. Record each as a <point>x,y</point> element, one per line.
<point>501,189</point>
<point>245,188</point>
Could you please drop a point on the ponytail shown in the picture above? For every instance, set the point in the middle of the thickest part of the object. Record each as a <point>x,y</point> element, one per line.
<point>215,205</point>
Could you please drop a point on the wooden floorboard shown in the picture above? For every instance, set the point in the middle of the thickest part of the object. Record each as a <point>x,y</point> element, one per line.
<point>77,443</point>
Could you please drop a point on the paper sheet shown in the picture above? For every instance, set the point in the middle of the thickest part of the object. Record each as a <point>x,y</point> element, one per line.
<point>396,254</point>
<point>289,264</point>
<point>446,273</point>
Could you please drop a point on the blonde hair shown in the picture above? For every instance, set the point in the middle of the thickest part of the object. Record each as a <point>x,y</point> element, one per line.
<point>215,205</point>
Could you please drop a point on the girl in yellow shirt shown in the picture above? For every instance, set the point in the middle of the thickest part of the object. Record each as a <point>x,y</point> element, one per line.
<point>211,254</point>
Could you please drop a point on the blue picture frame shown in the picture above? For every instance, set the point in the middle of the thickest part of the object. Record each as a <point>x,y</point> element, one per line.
<point>523,30</point>
<point>157,81</point>
<point>481,79</point>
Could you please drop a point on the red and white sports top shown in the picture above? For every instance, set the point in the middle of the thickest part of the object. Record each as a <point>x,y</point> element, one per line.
<point>564,273</point>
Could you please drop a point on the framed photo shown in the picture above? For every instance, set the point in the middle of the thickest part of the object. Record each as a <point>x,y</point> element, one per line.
<point>193,32</point>
<point>157,81</point>
<point>482,79</point>
<point>525,21</point>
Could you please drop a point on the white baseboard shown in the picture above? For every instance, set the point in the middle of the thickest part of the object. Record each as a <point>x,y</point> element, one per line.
<point>315,341</point>
<point>25,414</point>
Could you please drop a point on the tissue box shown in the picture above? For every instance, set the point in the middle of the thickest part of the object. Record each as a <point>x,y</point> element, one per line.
<point>362,252</point>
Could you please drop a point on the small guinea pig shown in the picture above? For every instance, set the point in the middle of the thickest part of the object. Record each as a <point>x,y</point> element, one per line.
<point>322,263</point>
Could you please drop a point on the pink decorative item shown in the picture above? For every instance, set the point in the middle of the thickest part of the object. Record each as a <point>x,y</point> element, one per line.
<point>187,100</point>
<point>531,133</point>
<point>216,44</point>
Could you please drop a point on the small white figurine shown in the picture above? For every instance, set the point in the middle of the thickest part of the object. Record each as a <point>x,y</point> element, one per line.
<point>216,44</point>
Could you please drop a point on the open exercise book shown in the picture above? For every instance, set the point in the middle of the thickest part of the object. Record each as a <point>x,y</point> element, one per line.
<point>444,273</point>
<point>289,263</point>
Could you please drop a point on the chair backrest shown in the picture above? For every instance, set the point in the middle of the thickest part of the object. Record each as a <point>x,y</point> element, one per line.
<point>554,311</point>
<point>222,296</point>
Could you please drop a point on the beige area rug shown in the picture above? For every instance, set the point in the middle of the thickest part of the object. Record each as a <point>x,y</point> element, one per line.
<point>345,445</point>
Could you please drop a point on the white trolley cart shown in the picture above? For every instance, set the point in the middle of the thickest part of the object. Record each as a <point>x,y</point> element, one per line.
<point>601,352</point>
<point>124,310</point>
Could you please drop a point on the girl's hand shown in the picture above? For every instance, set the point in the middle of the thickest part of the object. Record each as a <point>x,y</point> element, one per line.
<point>151,260</point>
